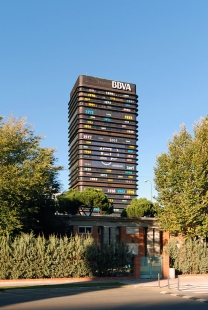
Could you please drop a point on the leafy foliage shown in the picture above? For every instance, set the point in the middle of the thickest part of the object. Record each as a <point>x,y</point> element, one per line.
<point>71,200</point>
<point>27,256</point>
<point>138,208</point>
<point>28,179</point>
<point>95,198</point>
<point>189,255</point>
<point>181,178</point>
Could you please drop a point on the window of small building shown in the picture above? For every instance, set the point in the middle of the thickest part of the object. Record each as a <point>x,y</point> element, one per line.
<point>133,248</point>
<point>132,230</point>
<point>85,230</point>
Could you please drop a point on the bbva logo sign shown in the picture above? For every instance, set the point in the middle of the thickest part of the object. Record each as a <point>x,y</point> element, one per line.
<point>120,85</point>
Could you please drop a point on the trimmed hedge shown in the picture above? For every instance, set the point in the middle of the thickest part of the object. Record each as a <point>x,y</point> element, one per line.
<point>188,256</point>
<point>27,256</point>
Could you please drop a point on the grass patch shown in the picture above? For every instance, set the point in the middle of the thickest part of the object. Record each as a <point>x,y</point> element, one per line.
<point>68,285</point>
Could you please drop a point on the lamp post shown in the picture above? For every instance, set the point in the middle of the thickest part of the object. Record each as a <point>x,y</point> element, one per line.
<point>150,187</point>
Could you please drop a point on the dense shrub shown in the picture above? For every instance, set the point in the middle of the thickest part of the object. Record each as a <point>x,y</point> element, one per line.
<point>188,256</point>
<point>27,256</point>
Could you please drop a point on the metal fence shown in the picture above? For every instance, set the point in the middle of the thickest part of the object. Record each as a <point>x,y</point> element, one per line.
<point>150,267</point>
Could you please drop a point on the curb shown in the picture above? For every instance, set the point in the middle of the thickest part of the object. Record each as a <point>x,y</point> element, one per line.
<point>185,296</point>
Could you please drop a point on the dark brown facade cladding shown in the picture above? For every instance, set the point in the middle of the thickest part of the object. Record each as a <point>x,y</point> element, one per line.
<point>103,138</point>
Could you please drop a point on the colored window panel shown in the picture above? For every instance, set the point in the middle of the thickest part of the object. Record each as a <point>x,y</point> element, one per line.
<point>89,111</point>
<point>121,191</point>
<point>130,191</point>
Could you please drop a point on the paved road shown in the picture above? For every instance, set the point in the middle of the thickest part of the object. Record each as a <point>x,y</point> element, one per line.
<point>125,298</point>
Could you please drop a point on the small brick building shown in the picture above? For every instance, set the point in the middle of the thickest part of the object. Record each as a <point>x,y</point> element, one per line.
<point>142,235</point>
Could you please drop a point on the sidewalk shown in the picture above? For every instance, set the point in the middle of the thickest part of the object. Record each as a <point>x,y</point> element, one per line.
<point>173,283</point>
<point>182,281</point>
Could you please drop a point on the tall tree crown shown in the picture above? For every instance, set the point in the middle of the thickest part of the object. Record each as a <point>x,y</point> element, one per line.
<point>28,178</point>
<point>181,178</point>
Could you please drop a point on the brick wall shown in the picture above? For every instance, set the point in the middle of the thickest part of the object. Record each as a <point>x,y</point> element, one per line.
<point>136,267</point>
<point>75,230</point>
<point>141,242</point>
<point>95,232</point>
<point>165,257</point>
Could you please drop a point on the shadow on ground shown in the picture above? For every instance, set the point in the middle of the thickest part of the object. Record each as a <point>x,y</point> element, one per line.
<point>123,298</point>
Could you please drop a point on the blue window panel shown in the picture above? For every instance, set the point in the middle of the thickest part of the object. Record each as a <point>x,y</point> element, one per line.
<point>121,191</point>
<point>89,111</point>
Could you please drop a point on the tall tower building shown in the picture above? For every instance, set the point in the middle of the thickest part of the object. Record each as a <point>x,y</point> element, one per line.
<point>103,138</point>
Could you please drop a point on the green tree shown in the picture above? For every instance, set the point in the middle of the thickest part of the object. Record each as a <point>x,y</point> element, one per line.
<point>139,207</point>
<point>71,200</point>
<point>28,179</point>
<point>181,178</point>
<point>95,198</point>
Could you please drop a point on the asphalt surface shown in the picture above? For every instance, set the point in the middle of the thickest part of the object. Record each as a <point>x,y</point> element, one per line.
<point>124,298</point>
<point>139,294</point>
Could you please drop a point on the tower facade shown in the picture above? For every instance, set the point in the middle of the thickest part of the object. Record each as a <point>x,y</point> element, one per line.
<point>103,138</point>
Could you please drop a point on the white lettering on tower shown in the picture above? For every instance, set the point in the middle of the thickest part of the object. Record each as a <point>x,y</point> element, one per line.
<point>120,85</point>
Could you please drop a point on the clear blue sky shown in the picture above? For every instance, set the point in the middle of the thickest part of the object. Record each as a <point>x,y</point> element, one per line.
<point>160,45</point>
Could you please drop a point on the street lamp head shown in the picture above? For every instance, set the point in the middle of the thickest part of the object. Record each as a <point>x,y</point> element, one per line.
<point>150,187</point>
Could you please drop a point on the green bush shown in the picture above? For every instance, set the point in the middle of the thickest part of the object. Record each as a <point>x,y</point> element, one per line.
<point>110,260</point>
<point>188,256</point>
<point>27,256</point>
